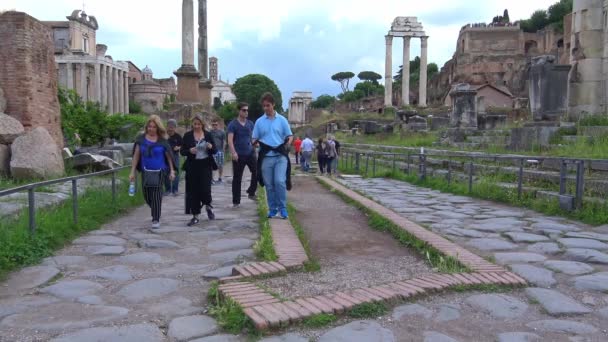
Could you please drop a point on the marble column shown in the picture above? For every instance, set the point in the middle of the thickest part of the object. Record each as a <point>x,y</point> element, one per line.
<point>187,32</point>
<point>104,87</point>
<point>110,90</point>
<point>423,72</point>
<point>115,108</point>
<point>388,72</point>
<point>83,81</point>
<point>203,58</point>
<point>97,85</point>
<point>125,82</point>
<point>405,75</point>
<point>70,75</point>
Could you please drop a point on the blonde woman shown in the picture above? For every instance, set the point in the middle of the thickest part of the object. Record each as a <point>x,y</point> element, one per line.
<point>198,148</point>
<point>152,156</point>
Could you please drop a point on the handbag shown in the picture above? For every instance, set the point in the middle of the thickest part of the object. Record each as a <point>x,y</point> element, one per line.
<point>152,178</point>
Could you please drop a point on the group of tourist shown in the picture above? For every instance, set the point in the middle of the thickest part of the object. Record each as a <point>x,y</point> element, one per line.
<point>157,156</point>
<point>328,150</point>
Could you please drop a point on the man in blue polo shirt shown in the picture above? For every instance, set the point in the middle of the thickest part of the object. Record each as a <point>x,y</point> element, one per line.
<point>241,149</point>
<point>273,133</point>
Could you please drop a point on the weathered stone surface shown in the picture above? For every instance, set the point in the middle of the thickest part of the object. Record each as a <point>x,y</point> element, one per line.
<point>116,273</point>
<point>219,273</point>
<point>509,258</point>
<point>498,305</point>
<point>189,327</point>
<point>230,338</point>
<point>465,233</point>
<point>487,244</point>
<point>15,305</point>
<point>178,306</point>
<point>179,270</point>
<point>146,289</point>
<point>228,244</point>
<point>411,310</point>
<point>594,282</point>
<point>2,101</point>
<point>104,232</point>
<point>93,300</point>
<point>554,226</point>
<point>498,225</point>
<point>556,303</point>
<point>10,128</point>
<point>433,336</point>
<point>526,237</point>
<point>603,312</point>
<point>5,160</point>
<point>535,275</point>
<point>36,155</point>
<point>544,248</point>
<point>562,326</point>
<point>157,244</point>
<point>587,255</point>
<point>100,240</point>
<point>518,337</point>
<point>141,258</point>
<point>286,338</point>
<point>568,267</point>
<point>88,161</point>
<point>105,250</point>
<point>64,316</point>
<point>142,236</point>
<point>231,257</point>
<point>116,155</point>
<point>70,289</point>
<point>588,235</point>
<point>582,243</point>
<point>29,278</point>
<point>138,332</point>
<point>448,312</point>
<point>368,331</point>
<point>64,260</point>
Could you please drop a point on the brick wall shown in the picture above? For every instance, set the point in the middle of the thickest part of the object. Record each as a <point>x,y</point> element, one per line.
<point>28,74</point>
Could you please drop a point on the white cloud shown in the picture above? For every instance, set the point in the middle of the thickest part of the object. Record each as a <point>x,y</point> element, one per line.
<point>321,33</point>
<point>307,28</point>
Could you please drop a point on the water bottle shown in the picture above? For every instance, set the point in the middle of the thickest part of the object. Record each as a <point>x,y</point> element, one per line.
<point>132,189</point>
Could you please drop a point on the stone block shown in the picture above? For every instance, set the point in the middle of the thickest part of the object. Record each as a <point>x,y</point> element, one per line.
<point>5,160</point>
<point>88,161</point>
<point>115,155</point>
<point>35,155</point>
<point>10,129</point>
<point>548,88</point>
<point>438,123</point>
<point>524,138</point>
<point>2,101</point>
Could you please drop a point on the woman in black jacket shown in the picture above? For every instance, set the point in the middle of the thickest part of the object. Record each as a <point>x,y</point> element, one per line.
<point>198,148</point>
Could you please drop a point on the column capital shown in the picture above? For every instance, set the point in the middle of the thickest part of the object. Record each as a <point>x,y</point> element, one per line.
<point>389,39</point>
<point>424,40</point>
<point>407,38</point>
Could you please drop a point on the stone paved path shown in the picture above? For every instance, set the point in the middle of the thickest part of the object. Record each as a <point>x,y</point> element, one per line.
<point>126,280</point>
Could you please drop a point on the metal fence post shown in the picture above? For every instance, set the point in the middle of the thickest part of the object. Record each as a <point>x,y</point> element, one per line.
<point>113,187</point>
<point>422,166</point>
<point>580,183</point>
<point>75,201</point>
<point>563,169</point>
<point>449,171</point>
<point>394,162</point>
<point>408,164</point>
<point>520,176</point>
<point>31,209</point>
<point>373,165</point>
<point>470,176</point>
<point>357,161</point>
<point>366,163</point>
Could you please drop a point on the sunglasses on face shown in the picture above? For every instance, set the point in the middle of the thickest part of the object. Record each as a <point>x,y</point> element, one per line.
<point>244,110</point>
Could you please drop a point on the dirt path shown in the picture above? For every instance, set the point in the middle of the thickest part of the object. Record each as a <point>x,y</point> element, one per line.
<point>350,252</point>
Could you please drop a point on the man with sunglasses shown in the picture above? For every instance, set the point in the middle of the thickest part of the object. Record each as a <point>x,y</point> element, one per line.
<point>239,140</point>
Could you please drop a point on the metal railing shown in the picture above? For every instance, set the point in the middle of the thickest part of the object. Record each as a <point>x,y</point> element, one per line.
<point>354,159</point>
<point>31,198</point>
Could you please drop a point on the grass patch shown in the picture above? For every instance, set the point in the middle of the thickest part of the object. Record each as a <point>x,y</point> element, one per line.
<point>231,318</point>
<point>368,310</point>
<point>55,227</point>
<point>312,265</point>
<point>435,258</point>
<point>264,248</point>
<point>493,288</point>
<point>319,321</point>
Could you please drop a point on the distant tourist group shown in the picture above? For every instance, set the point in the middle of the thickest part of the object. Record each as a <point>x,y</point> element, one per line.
<point>262,146</point>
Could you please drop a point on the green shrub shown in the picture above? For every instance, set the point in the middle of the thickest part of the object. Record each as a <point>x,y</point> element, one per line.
<point>594,120</point>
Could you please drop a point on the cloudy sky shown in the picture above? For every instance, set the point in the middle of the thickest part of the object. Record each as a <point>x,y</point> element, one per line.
<point>297,43</point>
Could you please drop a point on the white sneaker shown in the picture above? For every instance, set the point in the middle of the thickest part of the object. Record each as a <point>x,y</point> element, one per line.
<point>155,224</point>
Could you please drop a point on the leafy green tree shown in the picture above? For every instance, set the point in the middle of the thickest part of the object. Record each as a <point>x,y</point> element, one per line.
<point>228,111</point>
<point>250,88</point>
<point>323,101</point>
<point>431,70</point>
<point>558,11</point>
<point>135,108</point>
<point>343,78</point>
<point>369,88</point>
<point>369,76</point>
<point>537,21</point>
<point>352,96</point>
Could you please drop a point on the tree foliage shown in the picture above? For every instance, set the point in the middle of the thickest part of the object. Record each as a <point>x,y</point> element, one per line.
<point>370,88</point>
<point>343,78</point>
<point>554,15</point>
<point>323,101</point>
<point>431,70</point>
<point>352,96</point>
<point>369,76</point>
<point>228,111</point>
<point>250,88</point>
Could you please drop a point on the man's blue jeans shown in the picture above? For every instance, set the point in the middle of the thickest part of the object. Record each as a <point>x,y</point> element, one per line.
<point>274,173</point>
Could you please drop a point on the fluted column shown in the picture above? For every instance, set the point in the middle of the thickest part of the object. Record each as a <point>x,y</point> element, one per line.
<point>70,75</point>
<point>114,90</point>
<point>110,90</point>
<point>203,60</point>
<point>187,32</point>
<point>423,72</point>
<point>121,93</point>
<point>125,82</point>
<point>83,81</point>
<point>405,74</point>
<point>104,87</point>
<point>388,72</point>
<point>97,85</point>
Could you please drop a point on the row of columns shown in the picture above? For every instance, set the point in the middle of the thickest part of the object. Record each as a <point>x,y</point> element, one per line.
<point>109,86</point>
<point>405,77</point>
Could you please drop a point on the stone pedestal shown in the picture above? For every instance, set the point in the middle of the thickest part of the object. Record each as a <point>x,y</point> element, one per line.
<point>533,134</point>
<point>464,112</point>
<point>187,84</point>
<point>548,89</point>
<point>204,93</point>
